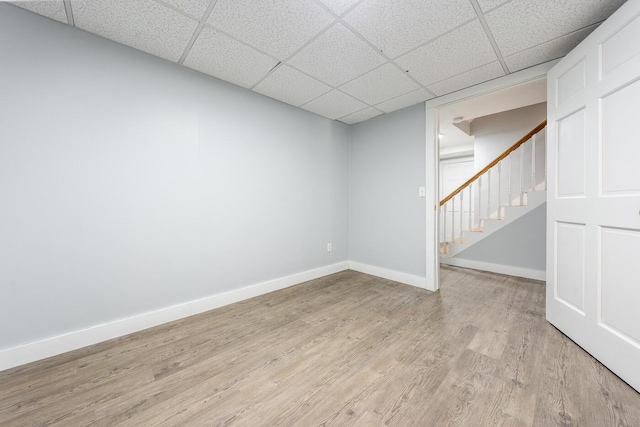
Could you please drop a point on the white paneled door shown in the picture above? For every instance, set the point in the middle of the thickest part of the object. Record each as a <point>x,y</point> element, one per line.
<point>593,241</point>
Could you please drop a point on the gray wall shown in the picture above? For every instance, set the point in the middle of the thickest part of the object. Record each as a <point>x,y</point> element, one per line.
<point>495,133</point>
<point>129,184</point>
<point>521,243</point>
<point>387,217</point>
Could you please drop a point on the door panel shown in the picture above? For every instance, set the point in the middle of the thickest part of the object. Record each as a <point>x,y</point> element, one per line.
<point>619,141</point>
<point>571,82</point>
<point>621,290</point>
<point>571,140</point>
<point>593,240</point>
<point>570,276</point>
<point>621,46</point>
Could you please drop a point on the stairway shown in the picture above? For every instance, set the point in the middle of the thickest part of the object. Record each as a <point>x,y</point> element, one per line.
<point>491,225</point>
<point>508,188</point>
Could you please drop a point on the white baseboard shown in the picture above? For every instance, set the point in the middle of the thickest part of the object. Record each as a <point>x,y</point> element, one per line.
<point>53,346</point>
<point>407,279</point>
<point>527,273</point>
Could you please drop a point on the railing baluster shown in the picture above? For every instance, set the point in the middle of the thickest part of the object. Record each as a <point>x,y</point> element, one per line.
<point>444,229</point>
<point>453,219</point>
<point>521,174</point>
<point>510,202</point>
<point>489,194</point>
<point>444,225</point>
<point>461,214</point>
<point>479,204</point>
<point>533,163</point>
<point>499,188</point>
<point>470,206</point>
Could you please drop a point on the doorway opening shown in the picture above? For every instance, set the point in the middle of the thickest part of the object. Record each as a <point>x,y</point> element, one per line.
<point>472,131</point>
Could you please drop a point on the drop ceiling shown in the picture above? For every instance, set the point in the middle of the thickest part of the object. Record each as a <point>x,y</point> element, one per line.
<point>347,60</point>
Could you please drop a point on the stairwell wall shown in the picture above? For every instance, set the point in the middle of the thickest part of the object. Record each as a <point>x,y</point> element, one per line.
<point>495,133</point>
<point>518,249</point>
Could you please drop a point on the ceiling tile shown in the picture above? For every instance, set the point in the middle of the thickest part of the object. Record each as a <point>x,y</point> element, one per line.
<point>195,8</point>
<point>337,56</point>
<point>380,84</point>
<point>522,24</point>
<point>339,6</point>
<point>240,64</point>
<point>143,24</point>
<point>486,5</point>
<point>291,86</point>
<point>554,49</point>
<point>360,116</point>
<point>397,26</point>
<point>456,52</point>
<point>276,27</point>
<point>469,78</point>
<point>403,101</point>
<point>50,9</point>
<point>334,104</point>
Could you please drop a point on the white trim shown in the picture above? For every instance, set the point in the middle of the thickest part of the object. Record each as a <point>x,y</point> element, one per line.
<point>510,270</point>
<point>397,276</point>
<point>432,171</point>
<point>53,346</point>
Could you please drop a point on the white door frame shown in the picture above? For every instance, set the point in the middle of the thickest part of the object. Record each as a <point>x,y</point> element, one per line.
<point>432,198</point>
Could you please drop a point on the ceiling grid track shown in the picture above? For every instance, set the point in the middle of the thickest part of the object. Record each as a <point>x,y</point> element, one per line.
<point>69,12</point>
<point>487,31</point>
<point>294,53</point>
<point>197,31</point>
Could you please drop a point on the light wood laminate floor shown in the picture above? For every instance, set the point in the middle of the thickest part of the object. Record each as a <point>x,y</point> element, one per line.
<point>346,349</point>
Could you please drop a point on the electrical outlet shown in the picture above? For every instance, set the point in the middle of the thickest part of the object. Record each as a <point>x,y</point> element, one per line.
<point>329,248</point>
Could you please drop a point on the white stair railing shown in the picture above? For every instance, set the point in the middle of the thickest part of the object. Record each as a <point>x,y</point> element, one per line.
<point>505,181</point>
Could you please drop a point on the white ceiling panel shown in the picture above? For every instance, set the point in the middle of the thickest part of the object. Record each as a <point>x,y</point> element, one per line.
<point>360,116</point>
<point>461,50</point>
<point>380,85</point>
<point>487,5</point>
<point>403,101</point>
<point>334,104</point>
<point>291,86</point>
<point>276,27</point>
<point>141,24</point>
<point>344,59</point>
<point>548,51</point>
<point>50,9</point>
<point>469,78</point>
<point>219,55</point>
<point>522,24</point>
<point>336,57</point>
<point>339,6</point>
<point>397,26</point>
<point>195,8</point>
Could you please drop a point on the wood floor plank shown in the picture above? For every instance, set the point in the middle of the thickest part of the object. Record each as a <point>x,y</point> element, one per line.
<point>343,350</point>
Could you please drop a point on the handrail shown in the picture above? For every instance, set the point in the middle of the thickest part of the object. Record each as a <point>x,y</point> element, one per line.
<point>497,160</point>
